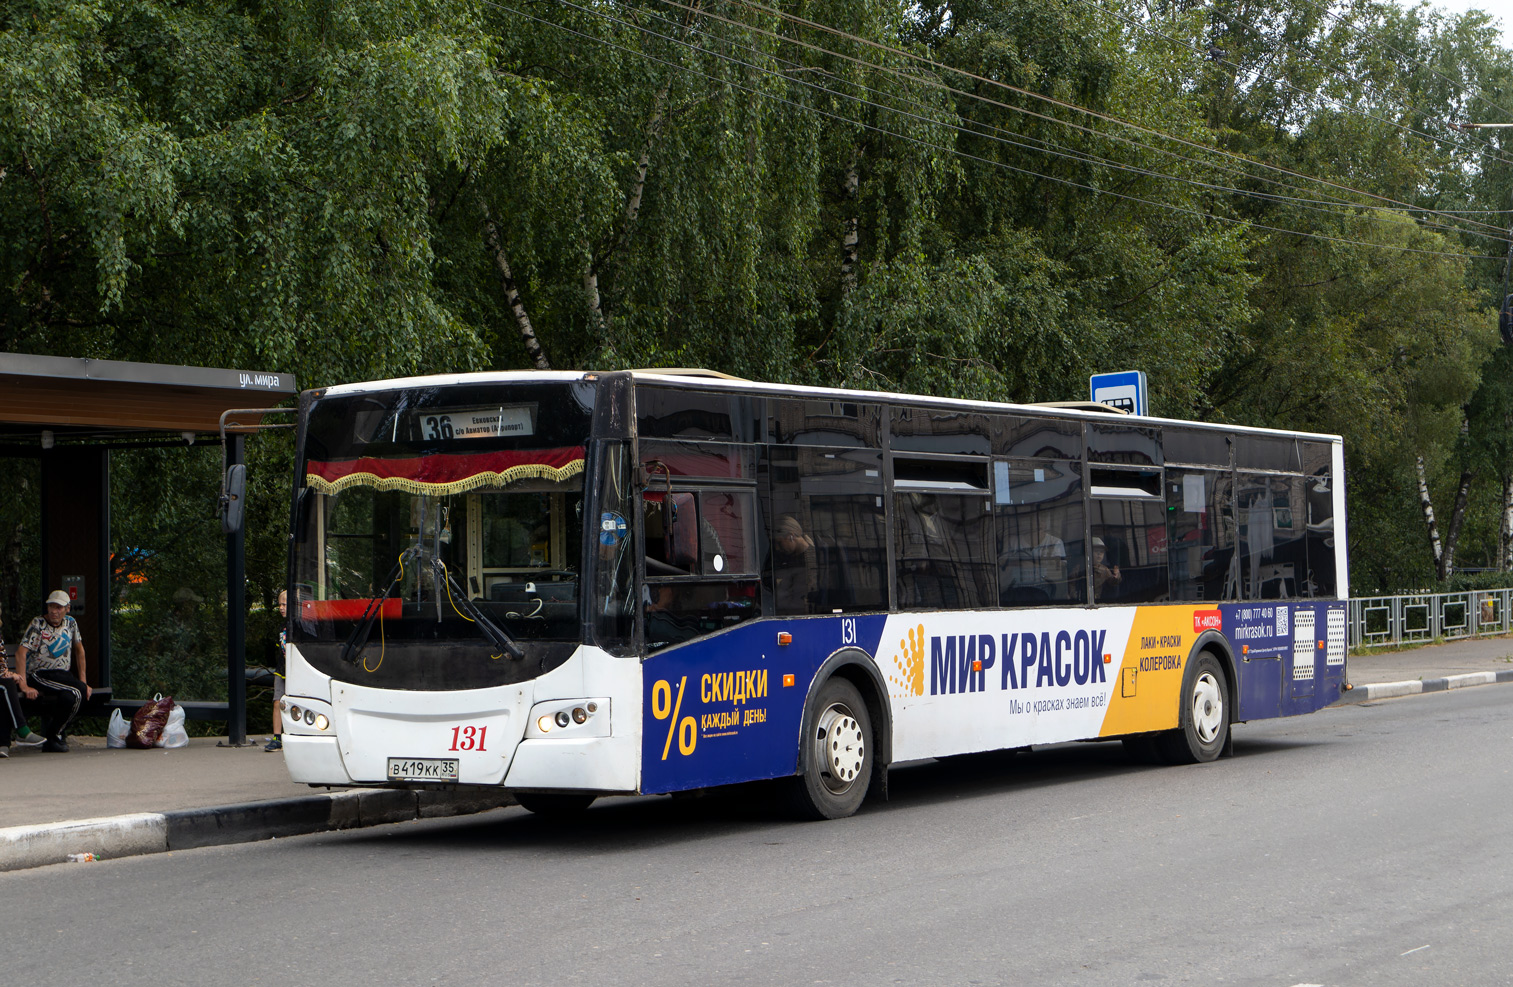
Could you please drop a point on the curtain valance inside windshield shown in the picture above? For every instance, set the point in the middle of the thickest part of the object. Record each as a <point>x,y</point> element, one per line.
<point>445,473</point>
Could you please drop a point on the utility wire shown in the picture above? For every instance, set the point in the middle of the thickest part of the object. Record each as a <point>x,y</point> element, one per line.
<point>1018,90</point>
<point>972,157</point>
<point>1038,144</point>
<point>1483,147</point>
<point>1458,87</point>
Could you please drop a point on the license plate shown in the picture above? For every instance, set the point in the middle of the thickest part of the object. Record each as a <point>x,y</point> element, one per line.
<point>422,769</point>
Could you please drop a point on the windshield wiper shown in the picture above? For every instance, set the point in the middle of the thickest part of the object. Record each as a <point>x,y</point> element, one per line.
<point>497,635</point>
<point>358,639</point>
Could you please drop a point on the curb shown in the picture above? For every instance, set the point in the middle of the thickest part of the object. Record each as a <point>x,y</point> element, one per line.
<point>1391,690</point>
<point>131,835</point>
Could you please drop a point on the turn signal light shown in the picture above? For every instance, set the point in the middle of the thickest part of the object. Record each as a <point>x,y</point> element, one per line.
<point>784,638</point>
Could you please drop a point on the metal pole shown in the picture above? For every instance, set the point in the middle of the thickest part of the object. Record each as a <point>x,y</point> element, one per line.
<point>102,594</point>
<point>236,619</point>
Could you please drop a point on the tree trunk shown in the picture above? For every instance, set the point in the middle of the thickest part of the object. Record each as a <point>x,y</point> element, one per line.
<point>851,232</point>
<point>1505,532</point>
<point>1426,504</point>
<point>1457,515</point>
<point>595,301</point>
<point>511,292</point>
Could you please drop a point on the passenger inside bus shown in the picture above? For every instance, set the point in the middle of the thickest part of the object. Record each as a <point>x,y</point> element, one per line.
<point>1032,562</point>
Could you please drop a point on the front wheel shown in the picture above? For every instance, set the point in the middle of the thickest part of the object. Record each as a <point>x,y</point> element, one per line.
<point>554,803</point>
<point>1202,716</point>
<point>835,754</point>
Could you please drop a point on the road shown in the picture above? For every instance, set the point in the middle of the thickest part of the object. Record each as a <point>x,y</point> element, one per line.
<point>1364,845</point>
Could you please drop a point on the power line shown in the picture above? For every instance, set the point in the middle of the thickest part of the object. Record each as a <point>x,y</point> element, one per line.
<point>1484,147</point>
<point>1398,51</point>
<point>1024,92</point>
<point>972,157</point>
<point>1075,154</point>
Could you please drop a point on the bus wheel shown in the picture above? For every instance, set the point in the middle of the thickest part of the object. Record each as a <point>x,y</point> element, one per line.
<point>1202,716</point>
<point>835,752</point>
<point>554,803</point>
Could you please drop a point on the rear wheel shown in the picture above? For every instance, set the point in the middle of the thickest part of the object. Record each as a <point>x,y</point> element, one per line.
<point>1202,716</point>
<point>554,803</point>
<point>835,754</point>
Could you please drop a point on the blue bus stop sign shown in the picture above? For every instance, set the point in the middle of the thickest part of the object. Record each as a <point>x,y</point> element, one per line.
<point>1124,390</point>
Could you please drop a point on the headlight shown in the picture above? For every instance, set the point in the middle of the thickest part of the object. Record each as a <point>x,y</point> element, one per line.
<point>569,719</point>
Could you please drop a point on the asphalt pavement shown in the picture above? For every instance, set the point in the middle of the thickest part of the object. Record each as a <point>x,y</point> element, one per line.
<point>115,803</point>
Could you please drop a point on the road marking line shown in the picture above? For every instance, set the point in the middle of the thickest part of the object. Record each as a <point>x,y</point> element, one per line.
<point>1413,950</point>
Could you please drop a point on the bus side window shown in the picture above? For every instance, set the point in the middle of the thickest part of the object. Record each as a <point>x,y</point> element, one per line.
<point>834,498</point>
<point>1038,505</point>
<point>1127,557</point>
<point>942,551</point>
<point>701,575</point>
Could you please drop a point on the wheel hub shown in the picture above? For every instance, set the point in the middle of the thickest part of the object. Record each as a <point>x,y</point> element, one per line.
<point>839,748</point>
<point>1208,708</point>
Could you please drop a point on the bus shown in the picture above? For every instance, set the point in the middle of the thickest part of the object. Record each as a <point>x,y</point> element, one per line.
<point>571,585</point>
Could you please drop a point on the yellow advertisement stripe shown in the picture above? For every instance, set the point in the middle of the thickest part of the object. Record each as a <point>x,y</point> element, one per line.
<point>1149,683</point>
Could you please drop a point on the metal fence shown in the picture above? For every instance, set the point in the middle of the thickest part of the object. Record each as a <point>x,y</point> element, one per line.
<point>1388,621</point>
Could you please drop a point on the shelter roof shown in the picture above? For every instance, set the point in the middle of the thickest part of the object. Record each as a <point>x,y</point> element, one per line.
<point>101,399</point>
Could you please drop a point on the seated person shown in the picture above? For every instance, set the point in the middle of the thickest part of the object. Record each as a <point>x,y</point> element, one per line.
<point>1106,575</point>
<point>51,664</point>
<point>793,566</point>
<point>1032,564</point>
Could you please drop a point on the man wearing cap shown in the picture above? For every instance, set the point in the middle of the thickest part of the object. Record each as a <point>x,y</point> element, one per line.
<point>50,659</point>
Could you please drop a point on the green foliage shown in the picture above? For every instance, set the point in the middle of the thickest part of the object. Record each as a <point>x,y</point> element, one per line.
<point>303,187</point>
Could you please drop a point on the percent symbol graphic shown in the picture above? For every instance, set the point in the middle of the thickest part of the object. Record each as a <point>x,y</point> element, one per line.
<point>665,707</point>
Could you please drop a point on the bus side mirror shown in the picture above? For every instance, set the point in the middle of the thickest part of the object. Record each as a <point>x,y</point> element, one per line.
<point>234,499</point>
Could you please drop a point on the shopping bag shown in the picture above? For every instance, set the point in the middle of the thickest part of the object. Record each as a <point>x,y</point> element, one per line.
<point>147,725</point>
<point>115,733</point>
<point>174,734</point>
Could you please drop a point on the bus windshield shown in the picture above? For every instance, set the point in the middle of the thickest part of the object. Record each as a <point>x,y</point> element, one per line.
<point>439,533</point>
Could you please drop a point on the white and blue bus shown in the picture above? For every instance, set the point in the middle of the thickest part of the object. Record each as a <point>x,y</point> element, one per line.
<point>569,585</point>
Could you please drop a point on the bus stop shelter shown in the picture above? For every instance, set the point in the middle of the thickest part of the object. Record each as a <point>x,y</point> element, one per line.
<point>69,414</point>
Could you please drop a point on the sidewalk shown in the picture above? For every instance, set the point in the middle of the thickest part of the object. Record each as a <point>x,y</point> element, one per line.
<point>121,802</point>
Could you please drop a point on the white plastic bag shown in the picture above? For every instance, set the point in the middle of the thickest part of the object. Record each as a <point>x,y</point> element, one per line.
<point>174,734</point>
<point>115,734</point>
